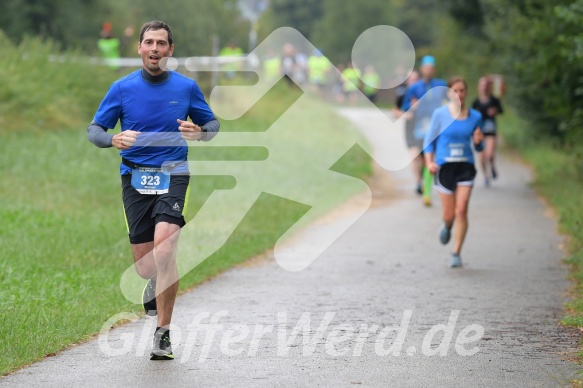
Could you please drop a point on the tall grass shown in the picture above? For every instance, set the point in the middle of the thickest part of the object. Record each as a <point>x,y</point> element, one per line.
<point>43,87</point>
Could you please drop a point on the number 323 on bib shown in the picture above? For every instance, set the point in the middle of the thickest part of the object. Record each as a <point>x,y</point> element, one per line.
<point>150,180</point>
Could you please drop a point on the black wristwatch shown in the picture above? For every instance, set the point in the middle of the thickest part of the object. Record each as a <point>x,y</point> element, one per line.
<point>204,131</point>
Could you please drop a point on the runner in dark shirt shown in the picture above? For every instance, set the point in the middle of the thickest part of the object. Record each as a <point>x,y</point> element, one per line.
<point>490,107</point>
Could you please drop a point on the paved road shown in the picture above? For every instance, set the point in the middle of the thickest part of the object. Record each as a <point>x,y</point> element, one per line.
<point>366,311</point>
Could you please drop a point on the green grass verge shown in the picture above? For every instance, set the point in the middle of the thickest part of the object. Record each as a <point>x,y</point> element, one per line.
<point>558,178</point>
<point>63,238</point>
<point>37,92</point>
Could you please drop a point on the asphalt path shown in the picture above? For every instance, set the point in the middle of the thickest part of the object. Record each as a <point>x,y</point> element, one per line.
<point>380,307</point>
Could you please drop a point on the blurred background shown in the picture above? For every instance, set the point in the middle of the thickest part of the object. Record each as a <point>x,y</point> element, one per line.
<point>537,45</point>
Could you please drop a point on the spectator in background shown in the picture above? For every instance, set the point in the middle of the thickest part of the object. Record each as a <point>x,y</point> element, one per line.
<point>293,65</point>
<point>127,47</point>
<point>272,65</point>
<point>401,90</point>
<point>337,82</point>
<point>231,50</point>
<point>371,81</point>
<point>109,47</point>
<point>350,84</point>
<point>490,107</point>
<point>318,69</point>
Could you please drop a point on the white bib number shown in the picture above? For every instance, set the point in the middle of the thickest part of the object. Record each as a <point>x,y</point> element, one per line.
<point>489,126</point>
<point>149,180</point>
<point>456,153</point>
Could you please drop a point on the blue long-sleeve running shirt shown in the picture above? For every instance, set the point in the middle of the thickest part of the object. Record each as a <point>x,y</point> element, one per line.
<point>451,140</point>
<point>151,105</point>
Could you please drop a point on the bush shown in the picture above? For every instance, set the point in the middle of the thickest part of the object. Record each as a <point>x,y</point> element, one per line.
<point>43,87</point>
<point>540,46</point>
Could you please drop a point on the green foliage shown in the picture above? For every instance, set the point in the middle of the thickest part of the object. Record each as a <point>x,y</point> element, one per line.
<point>69,22</point>
<point>77,24</point>
<point>39,93</point>
<point>538,45</point>
<point>570,47</point>
<point>334,27</point>
<point>342,24</point>
<point>458,53</point>
<point>419,20</point>
<point>328,24</point>
<point>194,22</point>
<point>468,13</point>
<point>299,14</point>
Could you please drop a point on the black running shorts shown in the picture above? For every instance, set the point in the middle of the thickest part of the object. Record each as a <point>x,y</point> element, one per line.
<point>488,127</point>
<point>143,212</point>
<point>451,175</point>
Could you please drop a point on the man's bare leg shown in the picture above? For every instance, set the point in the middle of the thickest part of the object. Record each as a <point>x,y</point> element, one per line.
<point>165,244</point>
<point>144,259</point>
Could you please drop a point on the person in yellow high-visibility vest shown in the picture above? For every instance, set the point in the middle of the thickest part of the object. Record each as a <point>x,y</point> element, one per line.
<point>108,46</point>
<point>318,69</point>
<point>350,83</point>
<point>272,65</point>
<point>371,83</point>
<point>232,50</point>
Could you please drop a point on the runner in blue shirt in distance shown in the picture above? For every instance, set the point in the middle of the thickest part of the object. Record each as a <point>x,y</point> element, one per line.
<point>449,156</point>
<point>434,98</point>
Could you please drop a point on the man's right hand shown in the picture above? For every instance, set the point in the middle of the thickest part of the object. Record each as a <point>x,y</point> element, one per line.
<point>124,140</point>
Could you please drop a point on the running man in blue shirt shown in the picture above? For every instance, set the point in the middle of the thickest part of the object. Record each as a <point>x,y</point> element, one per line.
<point>449,156</point>
<point>152,105</point>
<point>434,98</point>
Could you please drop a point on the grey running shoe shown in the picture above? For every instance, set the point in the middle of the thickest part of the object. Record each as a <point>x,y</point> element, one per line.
<point>456,261</point>
<point>162,348</point>
<point>444,234</point>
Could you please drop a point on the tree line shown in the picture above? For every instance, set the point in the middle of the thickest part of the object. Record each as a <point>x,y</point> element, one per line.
<point>537,45</point>
<point>77,24</point>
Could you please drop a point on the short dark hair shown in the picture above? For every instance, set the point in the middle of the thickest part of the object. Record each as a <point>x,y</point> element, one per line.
<point>454,80</point>
<point>153,26</point>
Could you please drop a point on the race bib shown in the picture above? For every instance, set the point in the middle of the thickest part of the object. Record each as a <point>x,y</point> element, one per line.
<point>489,126</point>
<point>456,153</point>
<point>150,180</point>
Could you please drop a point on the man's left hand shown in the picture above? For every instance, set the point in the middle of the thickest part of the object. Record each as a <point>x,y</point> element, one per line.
<point>190,131</point>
